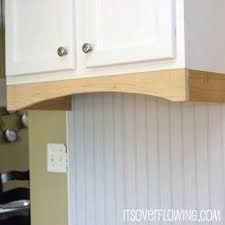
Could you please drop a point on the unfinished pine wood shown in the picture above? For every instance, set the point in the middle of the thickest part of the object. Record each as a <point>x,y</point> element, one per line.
<point>62,103</point>
<point>206,86</point>
<point>174,85</point>
<point>168,84</point>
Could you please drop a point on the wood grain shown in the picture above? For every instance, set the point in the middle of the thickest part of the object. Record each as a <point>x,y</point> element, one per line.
<point>174,85</point>
<point>206,86</point>
<point>168,84</point>
<point>62,103</point>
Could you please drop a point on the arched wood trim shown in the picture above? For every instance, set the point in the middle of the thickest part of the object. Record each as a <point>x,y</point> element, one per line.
<point>169,84</point>
<point>62,103</point>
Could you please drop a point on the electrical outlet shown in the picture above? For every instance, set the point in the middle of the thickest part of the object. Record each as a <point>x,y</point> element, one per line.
<point>56,158</point>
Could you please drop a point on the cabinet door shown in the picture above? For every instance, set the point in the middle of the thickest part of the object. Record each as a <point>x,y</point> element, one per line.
<point>126,31</point>
<point>35,29</point>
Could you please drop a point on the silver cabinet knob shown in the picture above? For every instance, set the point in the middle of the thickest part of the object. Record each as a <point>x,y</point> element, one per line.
<point>87,47</point>
<point>62,51</point>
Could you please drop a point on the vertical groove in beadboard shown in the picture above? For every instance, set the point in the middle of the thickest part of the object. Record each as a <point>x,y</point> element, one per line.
<point>85,159</point>
<point>114,157</point>
<point>215,156</point>
<point>223,145</point>
<point>170,156</point>
<point>135,148</point>
<point>124,150</point>
<point>208,156</point>
<point>79,157</point>
<point>158,153</point>
<point>176,147</point>
<point>130,150</point>
<point>147,148</point>
<point>89,163</point>
<point>182,151</point>
<point>222,157</point>
<point>153,158</point>
<point>222,153</point>
<point>141,151</point>
<point>108,126</point>
<point>164,154</point>
<point>74,156</point>
<point>201,155</point>
<point>176,155</point>
<point>94,161</point>
<point>195,156</point>
<point>189,159</point>
<point>119,157</point>
<point>104,159</point>
<point>134,133</point>
<point>99,158</point>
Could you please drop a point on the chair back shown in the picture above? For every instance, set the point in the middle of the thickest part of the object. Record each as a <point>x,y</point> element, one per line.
<point>14,203</point>
<point>12,175</point>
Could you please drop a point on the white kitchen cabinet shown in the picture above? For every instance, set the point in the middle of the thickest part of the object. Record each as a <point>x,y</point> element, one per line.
<point>167,48</point>
<point>124,37</point>
<point>35,30</point>
<point>129,31</point>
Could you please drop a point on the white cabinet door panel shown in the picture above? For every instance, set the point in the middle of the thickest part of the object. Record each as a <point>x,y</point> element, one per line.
<point>35,29</point>
<point>129,31</point>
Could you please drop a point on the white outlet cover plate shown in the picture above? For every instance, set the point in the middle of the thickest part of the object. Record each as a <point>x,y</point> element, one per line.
<point>56,158</point>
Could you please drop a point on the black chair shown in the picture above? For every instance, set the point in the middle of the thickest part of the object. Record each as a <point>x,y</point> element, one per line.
<point>15,203</point>
<point>16,220</point>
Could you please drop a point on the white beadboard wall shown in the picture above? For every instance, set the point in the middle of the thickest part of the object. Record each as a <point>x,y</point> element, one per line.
<point>136,151</point>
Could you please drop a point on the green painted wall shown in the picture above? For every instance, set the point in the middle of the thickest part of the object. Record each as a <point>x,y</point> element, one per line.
<point>2,48</point>
<point>14,156</point>
<point>48,190</point>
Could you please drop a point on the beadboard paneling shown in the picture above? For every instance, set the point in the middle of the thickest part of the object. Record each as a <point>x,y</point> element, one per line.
<point>137,151</point>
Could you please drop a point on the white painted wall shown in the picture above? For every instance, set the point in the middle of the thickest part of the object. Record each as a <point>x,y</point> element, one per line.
<point>136,151</point>
<point>204,35</point>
